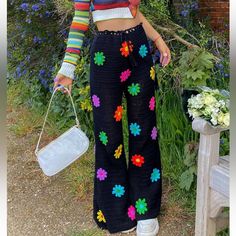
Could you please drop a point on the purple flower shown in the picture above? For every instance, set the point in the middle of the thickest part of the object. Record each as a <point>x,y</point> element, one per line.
<point>96,100</point>
<point>47,13</point>
<point>42,72</point>
<point>18,71</point>
<point>28,20</point>
<point>154,133</point>
<point>184,13</point>
<point>24,6</point>
<point>194,5</point>
<point>37,40</point>
<point>101,174</point>
<point>35,7</point>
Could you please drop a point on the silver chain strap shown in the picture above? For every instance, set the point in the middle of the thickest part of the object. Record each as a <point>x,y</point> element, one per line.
<point>45,119</point>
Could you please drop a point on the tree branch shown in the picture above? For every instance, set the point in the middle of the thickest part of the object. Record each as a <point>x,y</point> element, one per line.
<point>177,37</point>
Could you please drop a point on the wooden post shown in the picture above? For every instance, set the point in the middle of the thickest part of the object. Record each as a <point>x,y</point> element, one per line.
<point>208,155</point>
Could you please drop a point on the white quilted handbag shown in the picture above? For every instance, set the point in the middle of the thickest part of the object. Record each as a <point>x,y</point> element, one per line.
<point>63,150</point>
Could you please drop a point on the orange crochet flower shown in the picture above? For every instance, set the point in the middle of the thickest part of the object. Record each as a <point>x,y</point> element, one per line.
<point>137,160</point>
<point>118,113</point>
<point>127,47</point>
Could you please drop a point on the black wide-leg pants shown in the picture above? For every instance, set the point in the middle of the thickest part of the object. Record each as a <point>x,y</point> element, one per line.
<point>121,64</point>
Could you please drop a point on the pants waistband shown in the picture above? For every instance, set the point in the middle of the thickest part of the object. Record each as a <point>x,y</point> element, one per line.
<point>120,32</point>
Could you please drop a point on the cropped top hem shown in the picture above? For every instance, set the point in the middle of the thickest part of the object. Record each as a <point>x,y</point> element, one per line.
<point>118,12</point>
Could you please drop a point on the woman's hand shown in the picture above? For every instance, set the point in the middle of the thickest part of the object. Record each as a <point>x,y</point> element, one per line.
<point>164,51</point>
<point>63,80</point>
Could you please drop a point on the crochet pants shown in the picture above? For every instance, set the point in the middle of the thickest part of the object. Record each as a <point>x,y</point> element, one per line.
<point>122,65</point>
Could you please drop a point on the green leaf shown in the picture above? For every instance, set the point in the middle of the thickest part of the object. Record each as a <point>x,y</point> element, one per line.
<point>186,180</point>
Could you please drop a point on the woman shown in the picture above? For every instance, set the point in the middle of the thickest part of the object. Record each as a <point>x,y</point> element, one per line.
<point>125,197</point>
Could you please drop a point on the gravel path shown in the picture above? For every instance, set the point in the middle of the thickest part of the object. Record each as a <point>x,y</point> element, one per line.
<point>43,206</point>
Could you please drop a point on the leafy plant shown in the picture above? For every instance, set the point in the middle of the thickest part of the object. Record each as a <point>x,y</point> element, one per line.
<point>195,67</point>
<point>190,161</point>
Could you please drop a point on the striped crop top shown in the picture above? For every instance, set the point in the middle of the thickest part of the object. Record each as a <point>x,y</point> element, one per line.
<point>101,10</point>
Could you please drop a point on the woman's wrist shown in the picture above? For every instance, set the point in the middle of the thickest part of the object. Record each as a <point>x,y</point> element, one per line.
<point>157,38</point>
<point>67,69</point>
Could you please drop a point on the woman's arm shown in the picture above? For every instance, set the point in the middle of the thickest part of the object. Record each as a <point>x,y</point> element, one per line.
<point>156,38</point>
<point>149,30</point>
<point>78,28</point>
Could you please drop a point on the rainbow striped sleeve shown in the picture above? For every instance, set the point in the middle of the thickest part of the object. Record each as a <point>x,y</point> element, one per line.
<point>79,26</point>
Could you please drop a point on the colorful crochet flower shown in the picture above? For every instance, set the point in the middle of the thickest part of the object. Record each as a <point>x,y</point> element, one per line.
<point>155,175</point>
<point>118,190</point>
<point>143,50</point>
<point>135,129</point>
<point>118,113</point>
<point>103,137</point>
<point>125,75</point>
<point>152,103</point>
<point>127,47</point>
<point>134,89</point>
<point>100,217</point>
<point>152,73</point>
<point>118,151</point>
<point>99,58</point>
<point>141,206</point>
<point>154,133</point>
<point>96,100</point>
<point>101,174</point>
<point>137,160</point>
<point>132,212</point>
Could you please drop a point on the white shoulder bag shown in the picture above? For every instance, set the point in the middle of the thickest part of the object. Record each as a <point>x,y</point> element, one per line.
<point>65,149</point>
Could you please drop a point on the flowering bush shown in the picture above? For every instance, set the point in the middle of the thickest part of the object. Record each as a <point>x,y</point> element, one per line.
<point>212,105</point>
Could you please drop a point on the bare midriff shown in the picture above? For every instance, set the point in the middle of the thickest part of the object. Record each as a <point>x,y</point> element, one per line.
<point>117,24</point>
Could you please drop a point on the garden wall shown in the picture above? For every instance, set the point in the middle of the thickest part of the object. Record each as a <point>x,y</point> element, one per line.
<point>216,10</point>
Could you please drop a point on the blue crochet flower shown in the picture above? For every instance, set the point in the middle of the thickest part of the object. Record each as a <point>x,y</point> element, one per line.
<point>118,190</point>
<point>135,129</point>
<point>143,50</point>
<point>155,175</point>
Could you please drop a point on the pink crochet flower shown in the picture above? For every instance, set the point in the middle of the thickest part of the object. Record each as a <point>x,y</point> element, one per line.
<point>131,212</point>
<point>154,133</point>
<point>96,100</point>
<point>152,103</point>
<point>125,75</point>
<point>101,174</point>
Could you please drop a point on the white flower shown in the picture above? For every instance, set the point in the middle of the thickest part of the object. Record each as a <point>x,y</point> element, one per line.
<point>207,111</point>
<point>214,121</point>
<point>221,118</point>
<point>194,113</point>
<point>211,105</point>
<point>221,103</point>
<point>226,119</point>
<point>209,100</point>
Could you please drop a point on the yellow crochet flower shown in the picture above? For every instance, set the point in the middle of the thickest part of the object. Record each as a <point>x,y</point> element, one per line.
<point>118,151</point>
<point>152,73</point>
<point>101,217</point>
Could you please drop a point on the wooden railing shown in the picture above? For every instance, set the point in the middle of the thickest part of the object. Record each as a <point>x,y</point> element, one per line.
<point>212,181</point>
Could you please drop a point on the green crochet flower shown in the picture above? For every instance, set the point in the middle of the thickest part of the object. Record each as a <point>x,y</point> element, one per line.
<point>141,206</point>
<point>99,58</point>
<point>103,137</point>
<point>134,89</point>
<point>143,50</point>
